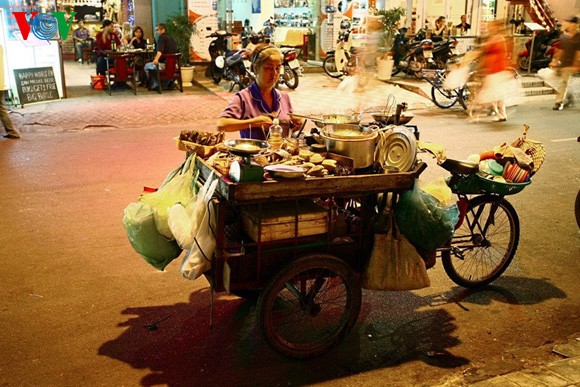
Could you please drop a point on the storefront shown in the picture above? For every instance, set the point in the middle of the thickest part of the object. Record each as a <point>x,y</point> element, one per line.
<point>48,37</point>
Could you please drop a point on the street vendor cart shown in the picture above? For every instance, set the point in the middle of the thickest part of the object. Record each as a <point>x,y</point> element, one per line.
<point>301,245</point>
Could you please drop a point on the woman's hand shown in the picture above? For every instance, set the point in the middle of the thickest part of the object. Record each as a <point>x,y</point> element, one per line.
<point>261,120</point>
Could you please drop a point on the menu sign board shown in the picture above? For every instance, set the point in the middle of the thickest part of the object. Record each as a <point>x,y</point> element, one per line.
<point>35,85</point>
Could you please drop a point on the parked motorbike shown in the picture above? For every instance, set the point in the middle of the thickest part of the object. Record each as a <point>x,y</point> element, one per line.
<point>412,58</point>
<point>232,65</point>
<point>346,60</point>
<point>444,53</point>
<point>545,46</point>
<point>291,68</point>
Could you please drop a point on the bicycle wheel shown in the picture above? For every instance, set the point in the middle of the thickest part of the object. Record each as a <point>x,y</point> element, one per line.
<point>443,98</point>
<point>485,244</point>
<point>329,66</point>
<point>464,93</point>
<point>309,306</point>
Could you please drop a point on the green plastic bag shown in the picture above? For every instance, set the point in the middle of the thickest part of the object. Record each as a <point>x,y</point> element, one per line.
<point>139,221</point>
<point>177,188</point>
<point>425,222</point>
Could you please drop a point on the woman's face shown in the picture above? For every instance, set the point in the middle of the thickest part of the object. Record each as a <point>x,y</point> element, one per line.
<point>138,34</point>
<point>269,72</point>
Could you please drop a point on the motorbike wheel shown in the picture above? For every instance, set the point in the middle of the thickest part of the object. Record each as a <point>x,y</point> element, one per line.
<point>290,77</point>
<point>523,63</point>
<point>329,67</point>
<point>216,75</point>
<point>443,98</point>
<point>422,63</point>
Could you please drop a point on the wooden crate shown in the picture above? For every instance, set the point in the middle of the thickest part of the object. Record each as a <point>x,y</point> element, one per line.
<point>278,220</point>
<point>203,151</point>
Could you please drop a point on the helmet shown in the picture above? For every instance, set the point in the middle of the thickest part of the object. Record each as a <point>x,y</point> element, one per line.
<point>345,24</point>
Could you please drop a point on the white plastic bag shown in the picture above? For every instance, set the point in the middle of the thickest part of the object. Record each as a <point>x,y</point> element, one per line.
<point>456,78</point>
<point>184,219</point>
<point>550,76</point>
<point>198,259</point>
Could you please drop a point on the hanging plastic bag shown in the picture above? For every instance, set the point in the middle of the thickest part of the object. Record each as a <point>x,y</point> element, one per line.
<point>424,220</point>
<point>198,258</point>
<point>394,264</point>
<point>139,221</point>
<point>177,188</point>
<point>456,78</point>
<point>184,219</point>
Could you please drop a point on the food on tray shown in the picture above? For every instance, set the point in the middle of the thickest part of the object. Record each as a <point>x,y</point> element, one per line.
<point>202,138</point>
<point>318,171</point>
<point>316,158</point>
<point>330,165</point>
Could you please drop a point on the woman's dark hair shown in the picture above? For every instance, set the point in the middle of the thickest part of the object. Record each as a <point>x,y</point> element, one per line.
<point>140,29</point>
<point>107,23</point>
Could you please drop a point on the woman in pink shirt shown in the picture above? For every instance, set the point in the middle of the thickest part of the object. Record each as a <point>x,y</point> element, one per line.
<point>251,110</point>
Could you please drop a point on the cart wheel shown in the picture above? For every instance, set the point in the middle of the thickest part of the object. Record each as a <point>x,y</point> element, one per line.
<point>309,306</point>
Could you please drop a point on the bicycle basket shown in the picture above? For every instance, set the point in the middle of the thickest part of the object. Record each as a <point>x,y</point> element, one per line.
<point>534,149</point>
<point>434,77</point>
<point>476,184</point>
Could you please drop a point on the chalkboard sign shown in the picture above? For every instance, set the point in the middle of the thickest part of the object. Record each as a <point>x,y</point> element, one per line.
<point>35,85</point>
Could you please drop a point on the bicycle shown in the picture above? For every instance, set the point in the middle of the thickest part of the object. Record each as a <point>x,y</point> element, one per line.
<point>446,98</point>
<point>487,235</point>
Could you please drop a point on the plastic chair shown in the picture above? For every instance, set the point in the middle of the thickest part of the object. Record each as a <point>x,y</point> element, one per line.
<point>123,70</point>
<point>171,72</point>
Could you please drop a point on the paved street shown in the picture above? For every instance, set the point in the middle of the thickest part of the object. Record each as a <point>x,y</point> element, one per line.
<point>77,297</point>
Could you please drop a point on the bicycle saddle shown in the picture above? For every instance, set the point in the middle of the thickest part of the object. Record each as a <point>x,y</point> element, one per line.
<point>460,167</point>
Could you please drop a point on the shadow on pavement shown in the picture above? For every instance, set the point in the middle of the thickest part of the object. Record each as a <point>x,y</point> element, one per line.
<point>391,330</point>
<point>183,351</point>
<point>509,290</point>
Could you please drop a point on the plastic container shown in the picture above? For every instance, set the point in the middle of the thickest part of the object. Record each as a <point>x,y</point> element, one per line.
<point>275,135</point>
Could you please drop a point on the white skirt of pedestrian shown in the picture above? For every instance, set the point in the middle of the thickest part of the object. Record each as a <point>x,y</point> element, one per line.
<point>497,87</point>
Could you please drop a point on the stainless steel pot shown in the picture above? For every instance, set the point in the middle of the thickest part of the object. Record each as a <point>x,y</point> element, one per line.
<point>361,150</point>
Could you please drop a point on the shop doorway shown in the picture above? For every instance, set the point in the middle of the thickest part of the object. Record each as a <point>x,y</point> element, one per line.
<point>162,9</point>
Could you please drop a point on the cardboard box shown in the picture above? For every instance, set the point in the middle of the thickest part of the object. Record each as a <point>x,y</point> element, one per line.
<point>278,220</point>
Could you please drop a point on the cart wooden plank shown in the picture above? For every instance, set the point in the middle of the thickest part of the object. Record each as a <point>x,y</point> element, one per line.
<point>271,190</point>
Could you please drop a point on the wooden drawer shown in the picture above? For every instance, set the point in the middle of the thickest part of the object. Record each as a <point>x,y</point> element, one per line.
<point>278,220</point>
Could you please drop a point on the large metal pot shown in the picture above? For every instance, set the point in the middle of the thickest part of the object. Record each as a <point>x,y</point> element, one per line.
<point>361,149</point>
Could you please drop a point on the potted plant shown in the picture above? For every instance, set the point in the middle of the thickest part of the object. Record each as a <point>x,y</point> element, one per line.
<point>180,28</point>
<point>390,20</point>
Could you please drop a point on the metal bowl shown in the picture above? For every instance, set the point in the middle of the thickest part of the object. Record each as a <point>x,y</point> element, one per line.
<point>347,131</point>
<point>389,119</point>
<point>327,119</point>
<point>246,146</point>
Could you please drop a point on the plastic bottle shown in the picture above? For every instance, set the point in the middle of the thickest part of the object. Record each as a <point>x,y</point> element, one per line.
<point>275,138</point>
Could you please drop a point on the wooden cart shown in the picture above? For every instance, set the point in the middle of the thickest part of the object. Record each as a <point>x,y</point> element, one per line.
<point>299,245</point>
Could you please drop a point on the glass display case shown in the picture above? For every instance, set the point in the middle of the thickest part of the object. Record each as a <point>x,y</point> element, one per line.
<point>293,13</point>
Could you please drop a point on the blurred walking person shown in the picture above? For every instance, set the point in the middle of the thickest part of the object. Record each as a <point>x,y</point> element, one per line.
<point>493,65</point>
<point>566,60</point>
<point>11,131</point>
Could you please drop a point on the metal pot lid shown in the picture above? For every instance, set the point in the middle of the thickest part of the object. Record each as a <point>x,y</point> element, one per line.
<point>401,149</point>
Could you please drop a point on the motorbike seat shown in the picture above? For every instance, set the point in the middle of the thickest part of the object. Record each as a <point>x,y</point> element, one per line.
<point>460,167</point>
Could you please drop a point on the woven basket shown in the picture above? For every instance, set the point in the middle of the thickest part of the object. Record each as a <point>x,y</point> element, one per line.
<point>534,149</point>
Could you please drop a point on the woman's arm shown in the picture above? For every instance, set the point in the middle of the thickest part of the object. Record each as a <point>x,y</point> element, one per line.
<point>226,124</point>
